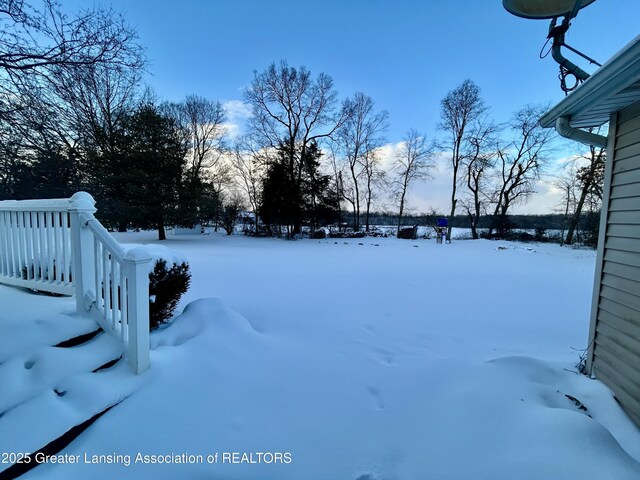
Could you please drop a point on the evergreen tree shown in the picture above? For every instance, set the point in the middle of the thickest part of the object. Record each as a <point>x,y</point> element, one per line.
<point>304,197</point>
<point>152,164</point>
<point>46,174</point>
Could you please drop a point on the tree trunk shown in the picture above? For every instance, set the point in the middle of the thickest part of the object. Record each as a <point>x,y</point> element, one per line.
<point>576,216</point>
<point>453,203</point>
<point>161,233</point>
<point>356,225</point>
<point>400,213</point>
<point>473,223</point>
<point>367,216</point>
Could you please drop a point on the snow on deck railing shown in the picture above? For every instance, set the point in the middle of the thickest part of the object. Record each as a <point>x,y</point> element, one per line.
<point>59,246</point>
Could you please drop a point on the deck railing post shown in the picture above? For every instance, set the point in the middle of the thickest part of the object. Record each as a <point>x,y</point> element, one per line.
<point>82,204</point>
<point>136,263</point>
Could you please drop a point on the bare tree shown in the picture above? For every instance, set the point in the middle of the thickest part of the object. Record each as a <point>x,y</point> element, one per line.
<point>337,171</point>
<point>459,108</point>
<point>221,180</point>
<point>478,162</point>
<point>567,182</point>
<point>294,110</point>
<point>70,101</point>
<point>520,161</point>
<point>375,178</point>
<point>360,134</point>
<point>32,38</point>
<point>35,44</point>
<point>249,165</point>
<point>203,122</point>
<point>588,179</point>
<point>233,206</point>
<point>413,162</point>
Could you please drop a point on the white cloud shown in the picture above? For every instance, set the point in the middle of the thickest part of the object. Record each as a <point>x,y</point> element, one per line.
<point>237,114</point>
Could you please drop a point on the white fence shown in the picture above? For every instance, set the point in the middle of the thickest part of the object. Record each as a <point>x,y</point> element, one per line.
<point>59,246</point>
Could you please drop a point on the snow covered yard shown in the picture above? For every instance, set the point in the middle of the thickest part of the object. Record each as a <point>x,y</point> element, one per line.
<point>362,359</point>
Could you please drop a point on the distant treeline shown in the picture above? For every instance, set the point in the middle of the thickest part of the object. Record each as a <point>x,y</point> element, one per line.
<point>554,221</point>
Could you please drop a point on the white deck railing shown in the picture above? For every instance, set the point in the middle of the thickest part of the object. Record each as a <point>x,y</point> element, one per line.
<point>59,246</point>
<point>35,245</point>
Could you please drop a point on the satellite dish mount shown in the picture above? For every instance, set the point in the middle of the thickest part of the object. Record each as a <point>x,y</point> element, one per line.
<point>554,9</point>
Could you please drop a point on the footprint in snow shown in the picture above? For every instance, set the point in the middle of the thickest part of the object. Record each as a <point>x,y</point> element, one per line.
<point>375,395</point>
<point>28,365</point>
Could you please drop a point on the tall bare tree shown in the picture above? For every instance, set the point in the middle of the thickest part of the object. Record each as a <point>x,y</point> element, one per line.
<point>203,122</point>
<point>413,162</point>
<point>458,109</point>
<point>291,108</point>
<point>478,162</point>
<point>375,179</point>
<point>337,168</point>
<point>520,161</point>
<point>360,134</point>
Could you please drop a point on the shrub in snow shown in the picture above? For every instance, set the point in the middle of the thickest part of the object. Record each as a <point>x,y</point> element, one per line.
<point>410,233</point>
<point>319,234</point>
<point>166,286</point>
<point>169,279</point>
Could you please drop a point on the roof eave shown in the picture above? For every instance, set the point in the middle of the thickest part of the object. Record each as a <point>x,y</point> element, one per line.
<point>618,73</point>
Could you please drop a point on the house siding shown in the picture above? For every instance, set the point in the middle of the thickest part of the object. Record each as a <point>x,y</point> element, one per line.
<point>614,355</point>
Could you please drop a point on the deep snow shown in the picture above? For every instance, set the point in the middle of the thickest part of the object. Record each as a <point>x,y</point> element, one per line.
<point>362,359</point>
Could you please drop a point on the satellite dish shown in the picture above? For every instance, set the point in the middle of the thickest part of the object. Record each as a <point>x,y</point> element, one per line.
<point>541,9</point>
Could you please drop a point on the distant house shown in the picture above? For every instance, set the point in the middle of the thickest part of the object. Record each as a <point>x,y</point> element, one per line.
<point>612,94</point>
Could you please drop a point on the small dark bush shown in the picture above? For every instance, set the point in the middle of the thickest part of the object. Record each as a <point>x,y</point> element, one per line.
<point>166,286</point>
<point>376,232</point>
<point>347,234</point>
<point>410,233</point>
<point>590,228</point>
<point>319,234</point>
<point>520,236</point>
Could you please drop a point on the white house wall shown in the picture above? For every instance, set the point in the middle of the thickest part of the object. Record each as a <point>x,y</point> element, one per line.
<point>615,325</point>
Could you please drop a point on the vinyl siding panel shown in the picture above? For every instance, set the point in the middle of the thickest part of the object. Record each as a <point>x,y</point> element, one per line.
<point>628,152</point>
<point>624,165</point>
<point>628,139</point>
<point>627,328</point>
<point>614,379</point>
<point>617,255</point>
<point>622,204</point>
<point>622,284</point>
<point>629,217</point>
<point>622,244</point>
<point>626,116</point>
<point>630,190</point>
<point>616,331</point>
<point>627,177</point>
<point>621,311</point>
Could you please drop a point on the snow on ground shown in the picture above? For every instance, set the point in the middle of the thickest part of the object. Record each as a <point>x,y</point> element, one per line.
<point>366,359</point>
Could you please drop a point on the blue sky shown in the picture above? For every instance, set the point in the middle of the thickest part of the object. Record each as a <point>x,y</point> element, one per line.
<point>405,54</point>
